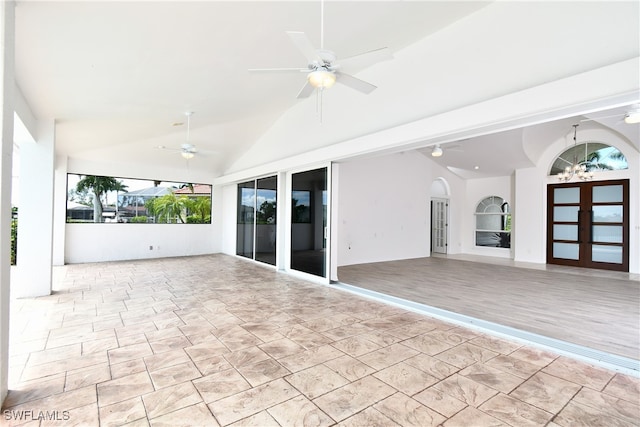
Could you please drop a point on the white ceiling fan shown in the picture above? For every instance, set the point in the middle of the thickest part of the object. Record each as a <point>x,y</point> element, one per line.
<point>323,69</point>
<point>631,116</point>
<point>186,150</point>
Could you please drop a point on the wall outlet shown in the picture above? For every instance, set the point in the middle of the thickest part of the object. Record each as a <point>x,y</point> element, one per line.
<point>150,247</point>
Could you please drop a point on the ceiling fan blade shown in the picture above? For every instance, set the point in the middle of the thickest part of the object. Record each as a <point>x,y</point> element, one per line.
<point>286,70</point>
<point>304,45</point>
<point>306,90</point>
<point>355,83</point>
<point>592,119</point>
<point>364,60</point>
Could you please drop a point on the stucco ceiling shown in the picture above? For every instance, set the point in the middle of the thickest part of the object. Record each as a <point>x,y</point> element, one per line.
<point>118,76</point>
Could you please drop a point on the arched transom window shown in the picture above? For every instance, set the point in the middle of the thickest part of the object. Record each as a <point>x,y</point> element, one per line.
<point>596,156</point>
<point>493,223</point>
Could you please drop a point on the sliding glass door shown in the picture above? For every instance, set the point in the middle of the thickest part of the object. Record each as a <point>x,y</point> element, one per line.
<point>309,222</point>
<point>256,228</point>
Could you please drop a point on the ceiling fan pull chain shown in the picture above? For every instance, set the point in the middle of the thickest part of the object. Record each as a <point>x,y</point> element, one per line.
<point>321,24</point>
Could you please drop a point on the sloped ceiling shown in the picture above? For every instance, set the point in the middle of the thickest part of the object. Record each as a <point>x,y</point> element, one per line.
<point>118,76</point>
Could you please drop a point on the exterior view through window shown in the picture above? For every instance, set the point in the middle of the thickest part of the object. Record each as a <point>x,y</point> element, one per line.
<point>595,156</point>
<point>104,199</point>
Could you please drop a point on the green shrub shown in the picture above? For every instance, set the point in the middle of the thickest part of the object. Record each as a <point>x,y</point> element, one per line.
<point>139,219</point>
<point>197,219</point>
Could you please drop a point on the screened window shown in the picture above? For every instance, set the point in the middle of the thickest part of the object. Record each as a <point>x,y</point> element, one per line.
<point>106,199</point>
<point>493,223</point>
<point>596,156</point>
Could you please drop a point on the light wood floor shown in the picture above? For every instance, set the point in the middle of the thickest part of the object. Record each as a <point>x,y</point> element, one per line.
<point>591,308</point>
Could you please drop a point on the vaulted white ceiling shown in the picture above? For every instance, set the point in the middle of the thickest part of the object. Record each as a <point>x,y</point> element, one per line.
<point>118,76</point>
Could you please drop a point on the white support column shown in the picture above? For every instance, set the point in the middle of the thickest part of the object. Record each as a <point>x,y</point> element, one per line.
<point>7,84</point>
<point>59,210</point>
<point>35,213</point>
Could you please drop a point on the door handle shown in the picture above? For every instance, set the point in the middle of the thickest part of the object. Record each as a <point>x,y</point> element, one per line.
<point>580,226</point>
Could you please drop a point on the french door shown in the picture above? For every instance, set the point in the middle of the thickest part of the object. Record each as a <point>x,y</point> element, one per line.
<point>439,225</point>
<point>588,224</point>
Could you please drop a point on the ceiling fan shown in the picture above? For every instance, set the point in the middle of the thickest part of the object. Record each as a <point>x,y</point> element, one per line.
<point>631,116</point>
<point>186,150</point>
<point>438,150</point>
<point>323,69</point>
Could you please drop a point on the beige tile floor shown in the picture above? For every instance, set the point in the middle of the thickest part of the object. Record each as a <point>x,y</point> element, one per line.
<point>214,340</point>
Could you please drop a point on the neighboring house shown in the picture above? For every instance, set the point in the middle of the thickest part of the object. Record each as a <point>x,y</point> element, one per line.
<point>199,190</point>
<point>132,203</point>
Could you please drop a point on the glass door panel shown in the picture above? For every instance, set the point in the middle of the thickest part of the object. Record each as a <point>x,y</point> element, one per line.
<point>266,191</point>
<point>607,193</point>
<point>246,217</point>
<point>309,221</point>
<point>256,229</point>
<point>566,250</point>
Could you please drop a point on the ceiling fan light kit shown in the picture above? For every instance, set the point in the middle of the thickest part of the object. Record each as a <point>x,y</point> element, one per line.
<point>632,117</point>
<point>321,78</point>
<point>323,70</point>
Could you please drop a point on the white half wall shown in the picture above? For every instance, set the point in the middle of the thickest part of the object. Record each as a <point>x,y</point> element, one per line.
<point>118,242</point>
<point>383,209</point>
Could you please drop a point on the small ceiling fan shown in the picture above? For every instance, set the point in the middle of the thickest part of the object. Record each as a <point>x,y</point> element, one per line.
<point>632,116</point>
<point>323,69</point>
<point>186,150</point>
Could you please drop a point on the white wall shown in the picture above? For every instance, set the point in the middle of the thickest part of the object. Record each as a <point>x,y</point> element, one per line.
<point>115,242</point>
<point>229,217</point>
<point>529,211</point>
<point>383,209</point>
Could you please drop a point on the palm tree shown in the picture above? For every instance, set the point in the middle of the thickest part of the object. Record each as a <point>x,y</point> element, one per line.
<point>170,207</point>
<point>200,209</point>
<point>99,185</point>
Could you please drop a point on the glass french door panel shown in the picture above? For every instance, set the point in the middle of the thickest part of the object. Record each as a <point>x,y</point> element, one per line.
<point>566,195</point>
<point>566,251</point>
<point>565,232</point>
<point>607,213</point>
<point>565,213</point>
<point>607,234</point>
<point>266,209</point>
<point>246,216</point>
<point>439,228</point>
<point>605,253</point>
<point>607,194</point>
<point>309,221</point>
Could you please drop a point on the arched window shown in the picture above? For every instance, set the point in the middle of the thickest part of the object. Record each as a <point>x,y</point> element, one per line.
<point>596,156</point>
<point>493,223</point>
